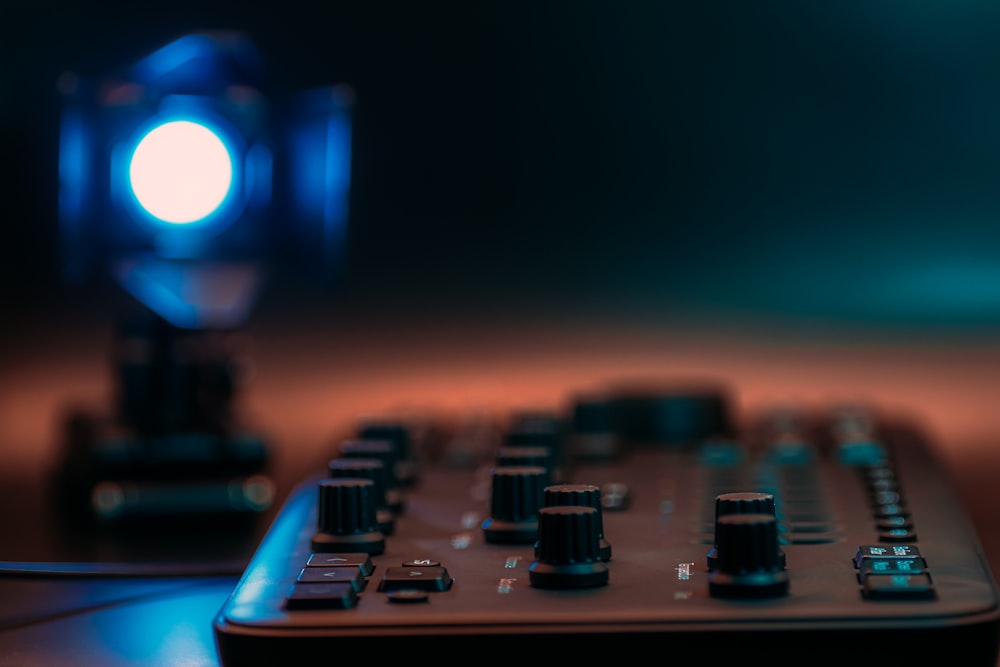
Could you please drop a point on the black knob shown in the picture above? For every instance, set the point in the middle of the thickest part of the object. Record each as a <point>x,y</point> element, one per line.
<point>347,519</point>
<point>399,434</point>
<point>385,451</point>
<point>539,429</point>
<point>373,469</point>
<point>748,560</point>
<point>749,502</point>
<point>568,550</point>
<point>526,456</point>
<point>595,428</point>
<point>515,499</point>
<point>581,495</point>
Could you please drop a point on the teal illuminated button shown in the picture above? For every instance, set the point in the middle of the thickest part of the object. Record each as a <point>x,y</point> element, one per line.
<point>721,454</point>
<point>861,453</point>
<point>894,522</point>
<point>898,535</point>
<point>898,587</point>
<point>884,552</point>
<point>892,566</point>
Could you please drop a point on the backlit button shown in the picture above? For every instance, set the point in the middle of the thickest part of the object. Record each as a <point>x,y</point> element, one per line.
<point>424,578</point>
<point>884,551</point>
<point>322,595</point>
<point>898,587</point>
<point>897,535</point>
<point>891,510</point>
<point>894,522</point>
<point>892,566</point>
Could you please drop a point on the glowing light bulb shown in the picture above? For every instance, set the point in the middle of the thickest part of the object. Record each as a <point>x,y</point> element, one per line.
<point>181,172</point>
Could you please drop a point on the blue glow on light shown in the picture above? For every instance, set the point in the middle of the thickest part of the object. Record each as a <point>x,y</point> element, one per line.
<point>181,172</point>
<point>320,169</point>
<point>174,56</point>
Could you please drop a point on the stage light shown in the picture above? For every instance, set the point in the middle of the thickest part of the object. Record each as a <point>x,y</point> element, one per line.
<point>187,177</point>
<point>188,168</point>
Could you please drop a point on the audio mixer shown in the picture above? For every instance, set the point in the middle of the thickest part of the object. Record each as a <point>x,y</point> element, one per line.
<point>657,515</point>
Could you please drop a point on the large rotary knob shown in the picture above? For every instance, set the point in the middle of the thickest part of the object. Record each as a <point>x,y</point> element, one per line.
<point>516,497</point>
<point>748,502</point>
<point>347,520</point>
<point>567,554</point>
<point>581,495</point>
<point>748,561</point>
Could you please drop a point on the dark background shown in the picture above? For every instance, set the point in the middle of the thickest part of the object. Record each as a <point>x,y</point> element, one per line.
<point>800,197</point>
<point>800,163</point>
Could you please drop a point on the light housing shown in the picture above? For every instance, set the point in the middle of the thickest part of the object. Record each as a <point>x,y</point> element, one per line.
<point>171,240</point>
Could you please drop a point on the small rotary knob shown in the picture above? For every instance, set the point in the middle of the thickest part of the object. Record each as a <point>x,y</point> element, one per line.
<point>748,561</point>
<point>386,452</point>
<point>526,456</point>
<point>347,519</point>
<point>399,434</point>
<point>373,469</point>
<point>539,429</point>
<point>595,429</point>
<point>515,500</point>
<point>751,502</point>
<point>568,550</point>
<point>581,495</point>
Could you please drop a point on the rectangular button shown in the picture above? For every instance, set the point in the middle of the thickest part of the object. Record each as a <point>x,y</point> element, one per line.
<point>417,578</point>
<point>362,561</point>
<point>892,566</point>
<point>885,551</point>
<point>321,595</point>
<point>898,587</point>
<point>347,575</point>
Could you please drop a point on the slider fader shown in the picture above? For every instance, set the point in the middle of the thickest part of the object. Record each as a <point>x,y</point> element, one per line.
<point>649,517</point>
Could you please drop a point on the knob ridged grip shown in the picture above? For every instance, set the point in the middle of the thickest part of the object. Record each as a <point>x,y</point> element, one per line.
<point>346,518</point>
<point>568,549</point>
<point>749,502</point>
<point>374,470</point>
<point>581,495</point>
<point>386,452</point>
<point>748,560</point>
<point>515,499</point>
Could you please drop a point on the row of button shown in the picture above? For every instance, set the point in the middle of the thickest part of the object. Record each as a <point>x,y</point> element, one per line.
<point>893,572</point>
<point>889,509</point>
<point>336,580</point>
